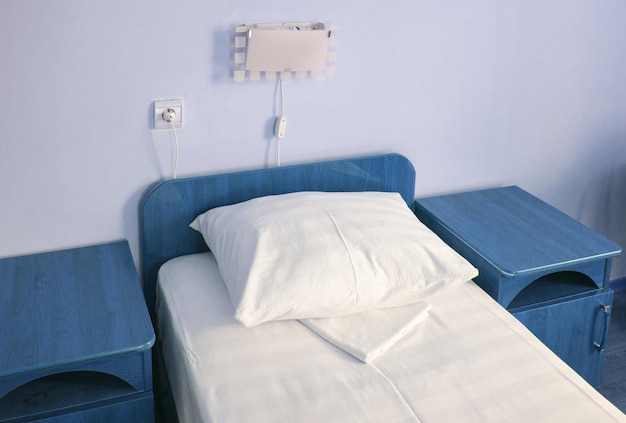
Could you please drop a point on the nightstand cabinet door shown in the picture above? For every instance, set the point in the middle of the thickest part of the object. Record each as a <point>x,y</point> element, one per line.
<point>138,410</point>
<point>574,328</point>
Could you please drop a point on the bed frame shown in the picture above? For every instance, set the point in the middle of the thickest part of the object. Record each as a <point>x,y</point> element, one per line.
<point>171,205</point>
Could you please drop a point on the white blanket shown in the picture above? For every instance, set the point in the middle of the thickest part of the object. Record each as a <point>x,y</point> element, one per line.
<point>470,361</point>
<point>369,334</point>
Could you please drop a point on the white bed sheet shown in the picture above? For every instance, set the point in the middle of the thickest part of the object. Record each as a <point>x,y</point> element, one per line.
<point>471,361</point>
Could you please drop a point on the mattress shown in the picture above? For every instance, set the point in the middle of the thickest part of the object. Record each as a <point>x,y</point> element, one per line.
<point>469,361</point>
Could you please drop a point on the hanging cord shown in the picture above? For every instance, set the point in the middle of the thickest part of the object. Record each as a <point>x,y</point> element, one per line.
<point>281,122</point>
<point>282,97</point>
<point>176,141</point>
<point>282,113</point>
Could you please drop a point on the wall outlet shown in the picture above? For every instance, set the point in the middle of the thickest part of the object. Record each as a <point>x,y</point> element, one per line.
<point>160,106</point>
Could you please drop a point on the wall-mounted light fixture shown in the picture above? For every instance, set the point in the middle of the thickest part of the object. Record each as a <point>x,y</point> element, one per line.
<point>285,50</point>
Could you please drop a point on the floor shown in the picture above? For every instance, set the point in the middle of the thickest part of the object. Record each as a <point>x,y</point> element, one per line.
<point>614,378</point>
<point>164,408</point>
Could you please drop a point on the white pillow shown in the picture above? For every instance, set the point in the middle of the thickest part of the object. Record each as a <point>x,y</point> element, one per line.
<point>320,254</point>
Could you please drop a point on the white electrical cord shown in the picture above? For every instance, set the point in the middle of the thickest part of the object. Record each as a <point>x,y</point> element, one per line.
<point>282,98</point>
<point>279,129</point>
<point>176,141</point>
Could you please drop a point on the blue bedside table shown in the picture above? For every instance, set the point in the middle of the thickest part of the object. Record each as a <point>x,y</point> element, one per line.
<point>75,338</point>
<point>547,269</point>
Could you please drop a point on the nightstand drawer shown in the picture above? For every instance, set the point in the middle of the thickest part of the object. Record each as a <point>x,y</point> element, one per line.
<point>574,328</point>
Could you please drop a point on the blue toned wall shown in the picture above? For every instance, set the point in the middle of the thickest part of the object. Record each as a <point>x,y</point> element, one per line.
<point>476,94</point>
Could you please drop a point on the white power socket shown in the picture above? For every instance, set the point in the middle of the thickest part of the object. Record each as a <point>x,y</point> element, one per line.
<point>160,106</point>
<point>169,115</point>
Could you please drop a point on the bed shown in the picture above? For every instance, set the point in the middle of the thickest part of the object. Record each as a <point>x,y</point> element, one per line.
<point>458,357</point>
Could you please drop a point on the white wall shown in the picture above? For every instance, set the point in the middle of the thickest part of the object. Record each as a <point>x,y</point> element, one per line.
<point>476,94</point>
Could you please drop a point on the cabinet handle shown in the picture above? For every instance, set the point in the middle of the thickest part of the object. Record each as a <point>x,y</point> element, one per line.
<point>601,346</point>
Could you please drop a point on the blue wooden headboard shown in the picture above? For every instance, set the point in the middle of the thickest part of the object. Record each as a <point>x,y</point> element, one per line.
<point>170,206</point>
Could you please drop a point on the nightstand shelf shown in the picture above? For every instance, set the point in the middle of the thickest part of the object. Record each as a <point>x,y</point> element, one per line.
<point>76,338</point>
<point>547,269</point>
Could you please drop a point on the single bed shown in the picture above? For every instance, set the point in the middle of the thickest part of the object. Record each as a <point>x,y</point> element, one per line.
<point>468,361</point>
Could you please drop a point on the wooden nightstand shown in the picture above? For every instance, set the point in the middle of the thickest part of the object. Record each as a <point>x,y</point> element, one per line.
<point>547,269</point>
<point>75,338</point>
